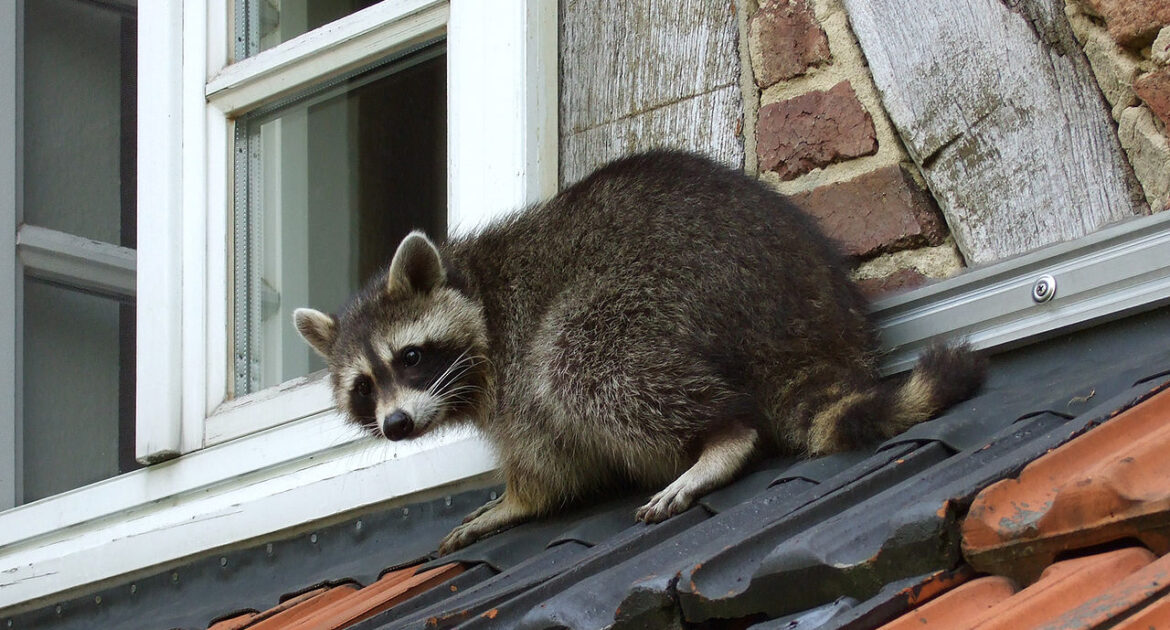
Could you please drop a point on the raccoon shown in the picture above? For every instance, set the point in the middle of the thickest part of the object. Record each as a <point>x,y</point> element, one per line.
<point>657,325</point>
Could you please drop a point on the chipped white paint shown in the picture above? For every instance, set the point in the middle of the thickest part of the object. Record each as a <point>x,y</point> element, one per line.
<point>1001,112</point>
<point>219,497</point>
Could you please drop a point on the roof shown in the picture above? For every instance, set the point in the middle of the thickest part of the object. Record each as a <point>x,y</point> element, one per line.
<point>1043,500</point>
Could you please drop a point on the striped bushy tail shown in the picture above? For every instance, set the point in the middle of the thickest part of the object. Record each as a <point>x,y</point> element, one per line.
<point>943,376</point>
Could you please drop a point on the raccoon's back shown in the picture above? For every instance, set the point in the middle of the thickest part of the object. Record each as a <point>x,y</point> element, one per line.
<point>718,251</point>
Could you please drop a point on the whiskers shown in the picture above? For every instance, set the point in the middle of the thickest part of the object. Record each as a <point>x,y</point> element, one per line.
<point>447,397</point>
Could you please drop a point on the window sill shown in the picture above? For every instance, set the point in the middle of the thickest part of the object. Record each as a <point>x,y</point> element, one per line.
<point>305,471</point>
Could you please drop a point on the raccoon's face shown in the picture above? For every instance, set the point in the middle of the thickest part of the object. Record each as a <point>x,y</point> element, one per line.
<point>408,354</point>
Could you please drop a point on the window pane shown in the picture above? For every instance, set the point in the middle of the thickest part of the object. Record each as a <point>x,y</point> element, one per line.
<point>333,182</point>
<point>79,95</point>
<point>78,389</point>
<point>262,24</point>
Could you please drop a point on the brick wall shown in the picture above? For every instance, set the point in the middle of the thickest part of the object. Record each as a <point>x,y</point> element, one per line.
<point>822,137</point>
<point>1127,43</point>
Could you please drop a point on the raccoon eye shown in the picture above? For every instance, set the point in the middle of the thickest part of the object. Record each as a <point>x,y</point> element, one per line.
<point>363,386</point>
<point>411,356</point>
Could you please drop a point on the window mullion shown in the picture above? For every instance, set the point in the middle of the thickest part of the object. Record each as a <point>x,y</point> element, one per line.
<point>160,226</point>
<point>11,468</point>
<point>78,262</point>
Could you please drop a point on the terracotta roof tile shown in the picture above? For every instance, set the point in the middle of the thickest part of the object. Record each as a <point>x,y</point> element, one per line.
<point>1059,586</point>
<point>390,589</point>
<point>1131,593</point>
<point>1106,485</point>
<point>955,608</point>
<point>1126,588</point>
<point>1156,615</point>
<point>285,604</point>
<point>285,615</point>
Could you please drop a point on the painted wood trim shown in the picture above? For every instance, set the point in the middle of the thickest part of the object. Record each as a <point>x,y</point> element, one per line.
<point>11,276</point>
<point>293,399</point>
<point>64,546</point>
<point>325,52</point>
<point>997,105</point>
<point>502,155</point>
<point>159,303</point>
<point>199,135</point>
<point>76,261</point>
<point>502,108</point>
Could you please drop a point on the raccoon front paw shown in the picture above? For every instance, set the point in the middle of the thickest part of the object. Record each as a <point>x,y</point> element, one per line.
<point>459,538</point>
<point>672,500</point>
<point>483,509</point>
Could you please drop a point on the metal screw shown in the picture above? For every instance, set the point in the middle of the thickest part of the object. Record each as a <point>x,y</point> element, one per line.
<point>1044,288</point>
<point>268,549</point>
<point>405,512</point>
<point>447,500</point>
<point>358,526</point>
<point>175,577</point>
<point>58,611</point>
<point>223,561</point>
<point>313,539</point>
<point>133,589</point>
<point>493,495</point>
<point>97,600</point>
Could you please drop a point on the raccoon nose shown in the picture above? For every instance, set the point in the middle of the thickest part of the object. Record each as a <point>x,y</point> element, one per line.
<point>397,425</point>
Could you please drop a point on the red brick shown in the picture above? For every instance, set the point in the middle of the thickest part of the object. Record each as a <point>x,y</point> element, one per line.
<point>1154,89</point>
<point>900,280</point>
<point>1133,23</point>
<point>813,130</point>
<point>880,211</point>
<point>785,40</point>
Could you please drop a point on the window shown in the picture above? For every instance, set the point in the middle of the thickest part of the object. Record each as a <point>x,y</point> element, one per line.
<point>73,210</point>
<point>334,180</point>
<point>309,90</point>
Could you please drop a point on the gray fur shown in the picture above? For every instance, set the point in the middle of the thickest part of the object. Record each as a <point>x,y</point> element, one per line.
<point>664,320</point>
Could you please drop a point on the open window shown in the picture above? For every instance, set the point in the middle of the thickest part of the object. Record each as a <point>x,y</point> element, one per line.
<point>283,149</point>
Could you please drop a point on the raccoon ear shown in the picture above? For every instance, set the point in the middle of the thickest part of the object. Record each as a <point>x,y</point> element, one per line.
<point>318,329</point>
<point>416,265</point>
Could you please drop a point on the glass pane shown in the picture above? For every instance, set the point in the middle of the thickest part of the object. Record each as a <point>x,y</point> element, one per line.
<point>79,118</point>
<point>333,181</point>
<point>262,24</point>
<point>78,394</point>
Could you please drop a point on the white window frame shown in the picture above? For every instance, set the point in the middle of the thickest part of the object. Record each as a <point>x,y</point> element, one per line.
<point>228,471</point>
<point>295,462</point>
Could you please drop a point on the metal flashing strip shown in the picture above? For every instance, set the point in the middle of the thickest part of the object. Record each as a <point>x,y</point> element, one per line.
<point>1121,269</point>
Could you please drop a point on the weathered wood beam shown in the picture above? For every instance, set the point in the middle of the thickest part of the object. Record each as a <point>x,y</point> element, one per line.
<point>648,73</point>
<point>996,103</point>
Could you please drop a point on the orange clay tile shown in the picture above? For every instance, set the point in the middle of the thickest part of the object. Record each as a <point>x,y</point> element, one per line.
<point>1132,593</point>
<point>1060,587</point>
<point>234,623</point>
<point>393,588</point>
<point>1156,615</point>
<point>1106,485</point>
<point>304,608</point>
<point>952,609</point>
